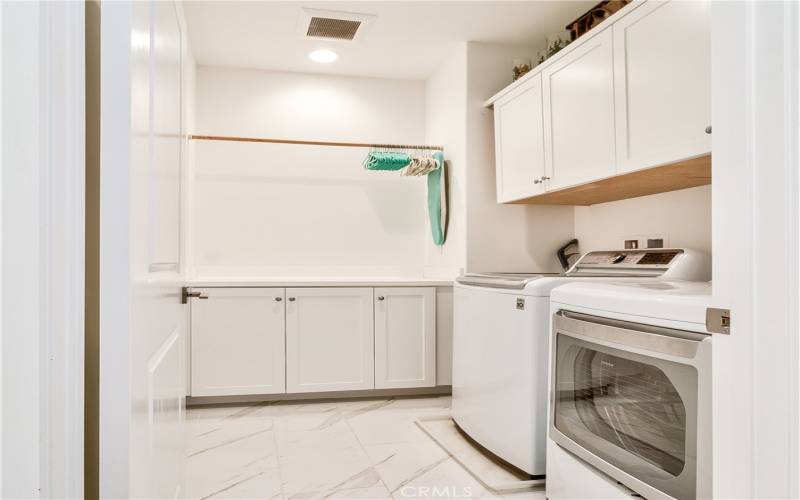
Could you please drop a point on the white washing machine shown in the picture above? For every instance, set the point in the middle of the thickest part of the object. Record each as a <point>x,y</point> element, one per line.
<point>500,342</point>
<point>630,391</point>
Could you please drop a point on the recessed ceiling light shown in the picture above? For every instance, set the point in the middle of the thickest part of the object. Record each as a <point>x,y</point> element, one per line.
<point>324,56</point>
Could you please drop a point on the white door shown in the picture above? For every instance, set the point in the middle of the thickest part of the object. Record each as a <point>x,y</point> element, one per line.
<point>578,92</point>
<point>519,142</point>
<point>662,80</point>
<point>329,339</point>
<point>405,337</point>
<point>237,337</point>
<point>142,379</point>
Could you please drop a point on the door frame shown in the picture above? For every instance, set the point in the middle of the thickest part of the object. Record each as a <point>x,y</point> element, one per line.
<point>755,206</point>
<point>43,188</point>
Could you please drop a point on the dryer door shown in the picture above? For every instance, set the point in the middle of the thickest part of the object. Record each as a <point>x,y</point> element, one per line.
<point>629,399</point>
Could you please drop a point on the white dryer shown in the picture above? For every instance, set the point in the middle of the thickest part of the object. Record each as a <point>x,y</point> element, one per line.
<point>630,391</point>
<point>500,342</point>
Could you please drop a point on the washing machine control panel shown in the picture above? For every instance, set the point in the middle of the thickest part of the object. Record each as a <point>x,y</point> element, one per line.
<point>650,262</point>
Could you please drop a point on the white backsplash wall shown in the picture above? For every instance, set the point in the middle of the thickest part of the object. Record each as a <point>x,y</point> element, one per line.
<point>290,210</point>
<point>682,217</point>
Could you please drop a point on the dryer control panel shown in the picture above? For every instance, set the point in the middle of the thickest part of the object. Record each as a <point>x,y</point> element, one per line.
<point>650,262</point>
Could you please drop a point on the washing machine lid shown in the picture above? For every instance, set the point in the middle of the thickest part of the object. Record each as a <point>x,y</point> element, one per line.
<point>639,300</point>
<point>510,281</point>
<point>530,285</point>
<point>663,263</point>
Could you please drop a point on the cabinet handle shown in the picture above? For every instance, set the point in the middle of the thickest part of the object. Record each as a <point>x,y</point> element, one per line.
<point>291,299</point>
<point>381,297</point>
<point>278,299</point>
<point>545,178</point>
<point>708,129</point>
<point>537,181</point>
<point>186,295</point>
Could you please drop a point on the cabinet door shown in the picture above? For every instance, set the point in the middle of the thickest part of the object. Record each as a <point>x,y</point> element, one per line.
<point>662,78</point>
<point>519,142</point>
<point>579,134</point>
<point>238,342</point>
<point>405,337</point>
<point>329,339</point>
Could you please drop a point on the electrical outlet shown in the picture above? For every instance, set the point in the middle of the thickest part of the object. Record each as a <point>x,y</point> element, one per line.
<point>642,241</point>
<point>655,241</point>
<point>633,241</point>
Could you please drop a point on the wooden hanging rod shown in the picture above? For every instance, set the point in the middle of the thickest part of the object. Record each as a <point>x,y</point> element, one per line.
<point>311,143</point>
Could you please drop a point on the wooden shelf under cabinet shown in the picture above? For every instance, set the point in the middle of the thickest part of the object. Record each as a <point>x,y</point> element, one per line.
<point>672,177</point>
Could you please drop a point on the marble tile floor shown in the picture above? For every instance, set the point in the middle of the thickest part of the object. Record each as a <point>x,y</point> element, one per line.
<point>369,449</point>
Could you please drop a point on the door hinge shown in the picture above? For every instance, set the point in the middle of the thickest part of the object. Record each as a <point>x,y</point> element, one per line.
<point>718,320</point>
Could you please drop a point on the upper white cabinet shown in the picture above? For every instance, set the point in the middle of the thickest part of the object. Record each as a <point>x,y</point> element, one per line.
<point>662,82</point>
<point>405,337</point>
<point>624,111</point>
<point>237,342</point>
<point>519,139</point>
<point>329,339</point>
<point>579,113</point>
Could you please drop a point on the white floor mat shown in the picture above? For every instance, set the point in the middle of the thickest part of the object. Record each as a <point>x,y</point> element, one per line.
<point>486,468</point>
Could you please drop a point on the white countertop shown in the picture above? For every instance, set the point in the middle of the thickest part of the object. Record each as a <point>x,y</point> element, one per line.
<point>315,282</point>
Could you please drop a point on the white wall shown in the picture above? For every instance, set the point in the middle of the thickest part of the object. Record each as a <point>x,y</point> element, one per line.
<point>289,210</point>
<point>482,235</point>
<point>682,217</point>
<point>446,125</point>
<point>503,238</point>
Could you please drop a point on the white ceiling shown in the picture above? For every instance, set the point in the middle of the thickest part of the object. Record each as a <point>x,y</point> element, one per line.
<point>406,40</point>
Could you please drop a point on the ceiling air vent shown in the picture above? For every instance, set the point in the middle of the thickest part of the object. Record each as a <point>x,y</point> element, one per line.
<point>338,29</point>
<point>332,25</point>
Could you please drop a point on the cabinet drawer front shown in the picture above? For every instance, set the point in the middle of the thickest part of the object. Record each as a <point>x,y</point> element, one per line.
<point>405,337</point>
<point>662,75</point>
<point>519,139</point>
<point>329,339</point>
<point>237,342</point>
<point>579,114</point>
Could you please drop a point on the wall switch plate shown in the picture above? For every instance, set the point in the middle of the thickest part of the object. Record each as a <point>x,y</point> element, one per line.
<point>655,242</point>
<point>631,244</point>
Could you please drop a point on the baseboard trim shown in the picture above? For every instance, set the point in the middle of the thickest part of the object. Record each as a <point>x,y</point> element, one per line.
<point>441,390</point>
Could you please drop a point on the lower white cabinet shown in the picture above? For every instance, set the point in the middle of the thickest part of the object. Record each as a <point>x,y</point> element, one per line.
<point>301,340</point>
<point>329,339</point>
<point>405,337</point>
<point>237,342</point>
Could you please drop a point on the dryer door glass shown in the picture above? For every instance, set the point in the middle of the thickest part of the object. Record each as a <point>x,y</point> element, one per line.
<point>637,413</point>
